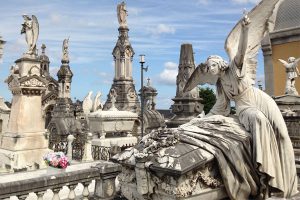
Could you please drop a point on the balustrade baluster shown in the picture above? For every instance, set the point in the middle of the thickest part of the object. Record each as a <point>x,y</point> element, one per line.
<point>22,197</point>
<point>72,194</point>
<point>85,192</point>
<point>56,194</point>
<point>40,195</point>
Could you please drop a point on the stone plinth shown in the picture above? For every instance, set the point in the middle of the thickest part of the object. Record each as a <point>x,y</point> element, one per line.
<point>23,145</point>
<point>289,106</point>
<point>186,105</point>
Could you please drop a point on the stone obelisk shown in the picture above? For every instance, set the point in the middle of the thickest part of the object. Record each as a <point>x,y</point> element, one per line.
<point>127,98</point>
<point>186,105</point>
<point>23,145</point>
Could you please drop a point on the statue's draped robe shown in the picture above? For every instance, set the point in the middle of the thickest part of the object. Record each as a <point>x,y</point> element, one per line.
<point>273,155</point>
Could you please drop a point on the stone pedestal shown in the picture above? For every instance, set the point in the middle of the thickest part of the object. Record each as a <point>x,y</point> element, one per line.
<point>23,145</point>
<point>186,105</point>
<point>289,106</point>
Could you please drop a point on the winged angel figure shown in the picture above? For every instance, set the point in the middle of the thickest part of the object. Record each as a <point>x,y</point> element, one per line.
<point>31,29</point>
<point>292,72</point>
<point>273,155</point>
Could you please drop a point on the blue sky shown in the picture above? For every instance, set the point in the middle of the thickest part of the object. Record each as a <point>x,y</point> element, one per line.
<point>157,29</point>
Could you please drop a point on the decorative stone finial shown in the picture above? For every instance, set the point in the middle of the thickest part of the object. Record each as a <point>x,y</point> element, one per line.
<point>43,49</point>
<point>30,28</point>
<point>148,82</point>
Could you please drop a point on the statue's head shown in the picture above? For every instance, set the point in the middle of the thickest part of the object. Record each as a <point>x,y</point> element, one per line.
<point>291,59</point>
<point>216,64</point>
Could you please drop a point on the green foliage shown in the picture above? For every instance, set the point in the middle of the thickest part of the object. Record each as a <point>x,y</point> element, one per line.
<point>208,98</point>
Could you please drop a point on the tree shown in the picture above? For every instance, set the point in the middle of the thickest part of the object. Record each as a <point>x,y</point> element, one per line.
<point>208,98</point>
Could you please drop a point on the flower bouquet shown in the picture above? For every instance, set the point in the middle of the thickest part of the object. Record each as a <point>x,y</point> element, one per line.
<point>56,159</point>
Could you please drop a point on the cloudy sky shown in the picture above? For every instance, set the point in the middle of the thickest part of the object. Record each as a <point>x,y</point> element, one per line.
<point>157,29</point>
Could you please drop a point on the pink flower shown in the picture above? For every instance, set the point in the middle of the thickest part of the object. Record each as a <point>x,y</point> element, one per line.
<point>54,162</point>
<point>63,162</point>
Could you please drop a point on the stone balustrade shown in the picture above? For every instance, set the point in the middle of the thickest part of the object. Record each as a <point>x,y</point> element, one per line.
<point>101,173</point>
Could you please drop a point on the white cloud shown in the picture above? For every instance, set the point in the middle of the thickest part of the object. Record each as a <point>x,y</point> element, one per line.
<point>171,65</point>
<point>168,75</point>
<point>162,29</point>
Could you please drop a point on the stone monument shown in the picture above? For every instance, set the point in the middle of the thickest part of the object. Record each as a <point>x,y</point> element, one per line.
<point>63,112</point>
<point>23,145</point>
<point>186,104</point>
<point>123,84</point>
<point>253,150</point>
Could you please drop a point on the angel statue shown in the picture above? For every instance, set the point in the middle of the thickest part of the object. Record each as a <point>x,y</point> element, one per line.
<point>31,29</point>
<point>65,51</point>
<point>292,72</point>
<point>272,168</point>
<point>122,14</point>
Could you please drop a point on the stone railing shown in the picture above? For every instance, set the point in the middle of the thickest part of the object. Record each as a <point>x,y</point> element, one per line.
<point>64,183</point>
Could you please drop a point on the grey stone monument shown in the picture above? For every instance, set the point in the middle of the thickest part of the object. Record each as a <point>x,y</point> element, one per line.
<point>186,104</point>
<point>123,52</point>
<point>23,145</point>
<point>63,113</point>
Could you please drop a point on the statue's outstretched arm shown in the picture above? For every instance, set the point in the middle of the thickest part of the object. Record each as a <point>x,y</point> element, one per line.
<point>283,62</point>
<point>239,58</point>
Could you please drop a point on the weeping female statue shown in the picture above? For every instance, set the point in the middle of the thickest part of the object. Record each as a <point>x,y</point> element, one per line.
<point>273,155</point>
<point>30,28</point>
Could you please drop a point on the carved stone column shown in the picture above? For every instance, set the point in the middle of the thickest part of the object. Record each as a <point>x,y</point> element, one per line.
<point>269,71</point>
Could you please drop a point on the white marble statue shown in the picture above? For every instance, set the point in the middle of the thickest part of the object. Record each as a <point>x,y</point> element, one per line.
<point>292,72</point>
<point>113,98</point>
<point>122,14</point>
<point>65,50</point>
<point>273,155</point>
<point>30,28</point>
<point>87,103</point>
<point>97,105</point>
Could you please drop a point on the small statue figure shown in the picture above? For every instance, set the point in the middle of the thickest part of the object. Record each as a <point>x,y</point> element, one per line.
<point>87,103</point>
<point>122,14</point>
<point>65,51</point>
<point>113,97</point>
<point>31,29</point>
<point>97,102</point>
<point>292,72</point>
